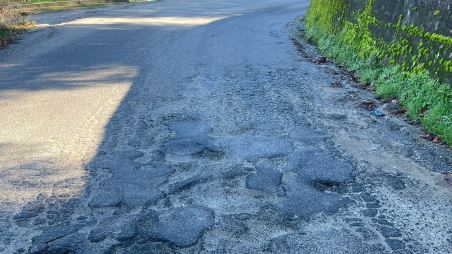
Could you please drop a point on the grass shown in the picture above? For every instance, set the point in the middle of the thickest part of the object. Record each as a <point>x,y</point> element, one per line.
<point>39,1</point>
<point>12,23</point>
<point>56,1</point>
<point>44,6</point>
<point>425,99</point>
<point>13,20</point>
<point>66,6</point>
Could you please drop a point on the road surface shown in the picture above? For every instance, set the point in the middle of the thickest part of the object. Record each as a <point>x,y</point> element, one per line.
<point>199,126</point>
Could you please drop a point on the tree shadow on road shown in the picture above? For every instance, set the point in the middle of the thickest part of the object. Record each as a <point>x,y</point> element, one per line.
<point>120,53</point>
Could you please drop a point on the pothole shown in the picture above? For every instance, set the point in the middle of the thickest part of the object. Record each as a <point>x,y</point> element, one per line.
<point>326,185</point>
<point>209,154</point>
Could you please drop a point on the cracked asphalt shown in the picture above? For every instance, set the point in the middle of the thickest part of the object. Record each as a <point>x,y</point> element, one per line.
<point>204,127</point>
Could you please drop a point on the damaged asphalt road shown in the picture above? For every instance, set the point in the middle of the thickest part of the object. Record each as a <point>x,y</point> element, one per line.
<point>199,127</point>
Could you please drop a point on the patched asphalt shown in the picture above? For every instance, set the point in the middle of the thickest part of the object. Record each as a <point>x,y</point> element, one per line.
<point>198,127</point>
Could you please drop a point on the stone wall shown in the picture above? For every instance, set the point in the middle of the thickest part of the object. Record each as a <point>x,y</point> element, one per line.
<point>416,34</point>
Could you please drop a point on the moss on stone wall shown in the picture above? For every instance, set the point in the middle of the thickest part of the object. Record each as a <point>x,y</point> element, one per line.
<point>411,46</point>
<point>401,58</point>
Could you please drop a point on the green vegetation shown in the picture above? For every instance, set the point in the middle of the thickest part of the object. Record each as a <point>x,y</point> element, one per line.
<point>12,22</point>
<point>40,6</point>
<point>437,13</point>
<point>13,19</point>
<point>408,68</point>
<point>58,5</point>
<point>81,2</point>
<point>39,1</point>
<point>55,1</point>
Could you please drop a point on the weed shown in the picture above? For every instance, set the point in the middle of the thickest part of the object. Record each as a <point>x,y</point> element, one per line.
<point>425,99</point>
<point>12,22</point>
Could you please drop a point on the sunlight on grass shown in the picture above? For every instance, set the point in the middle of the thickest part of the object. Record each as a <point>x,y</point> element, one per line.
<point>12,23</point>
<point>45,6</point>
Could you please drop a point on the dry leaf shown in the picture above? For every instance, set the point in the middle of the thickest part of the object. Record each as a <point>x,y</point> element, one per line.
<point>448,177</point>
<point>368,104</point>
<point>437,140</point>
<point>320,60</point>
<point>427,136</point>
